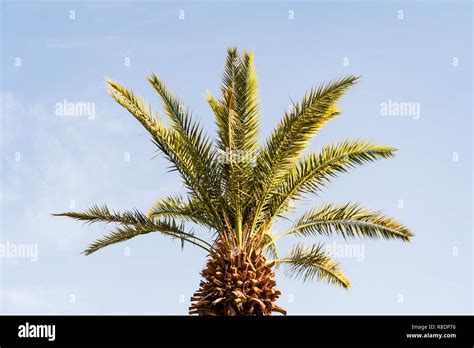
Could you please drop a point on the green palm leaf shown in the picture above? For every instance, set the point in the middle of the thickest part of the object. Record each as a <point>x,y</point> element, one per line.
<point>199,146</point>
<point>240,81</point>
<point>177,208</point>
<point>313,262</point>
<point>103,214</point>
<point>315,170</point>
<point>125,232</point>
<point>349,220</point>
<point>173,146</point>
<point>237,119</point>
<point>290,138</point>
<point>131,224</point>
<point>270,244</point>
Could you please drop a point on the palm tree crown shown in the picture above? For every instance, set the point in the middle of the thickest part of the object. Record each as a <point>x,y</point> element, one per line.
<point>237,187</point>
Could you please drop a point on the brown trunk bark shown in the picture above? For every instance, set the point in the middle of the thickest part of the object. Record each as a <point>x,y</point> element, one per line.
<point>236,283</point>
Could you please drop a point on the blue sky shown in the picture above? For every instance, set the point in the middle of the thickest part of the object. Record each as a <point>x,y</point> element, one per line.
<point>50,160</point>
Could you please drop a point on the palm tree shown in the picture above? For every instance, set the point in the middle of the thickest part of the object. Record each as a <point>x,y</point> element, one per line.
<point>237,188</point>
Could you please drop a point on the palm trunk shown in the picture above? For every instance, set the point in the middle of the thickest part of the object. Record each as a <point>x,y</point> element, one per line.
<point>236,283</point>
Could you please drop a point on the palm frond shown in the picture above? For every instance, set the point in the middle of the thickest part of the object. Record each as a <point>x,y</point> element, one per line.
<point>177,208</point>
<point>270,244</point>
<point>125,232</point>
<point>292,135</point>
<point>246,92</point>
<point>349,220</point>
<point>131,224</point>
<point>191,132</point>
<point>313,262</point>
<point>138,108</point>
<point>237,119</point>
<point>172,145</point>
<point>315,170</point>
<point>103,214</point>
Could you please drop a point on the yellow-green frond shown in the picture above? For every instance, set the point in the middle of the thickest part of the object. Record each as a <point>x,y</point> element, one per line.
<point>291,137</point>
<point>270,244</point>
<point>313,171</point>
<point>313,262</point>
<point>177,208</point>
<point>125,232</point>
<point>191,132</point>
<point>175,147</point>
<point>349,220</point>
<point>298,127</point>
<point>131,224</point>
